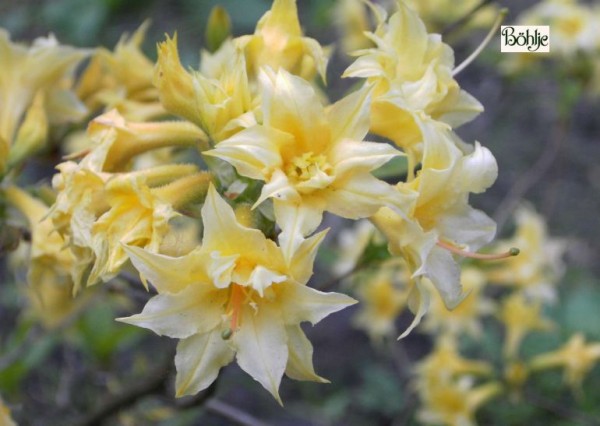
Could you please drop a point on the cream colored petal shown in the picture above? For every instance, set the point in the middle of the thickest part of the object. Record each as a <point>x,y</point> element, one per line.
<point>300,354</point>
<point>467,225</point>
<point>261,278</point>
<point>291,105</point>
<point>359,196</point>
<point>420,295</point>
<point>301,303</point>
<point>295,221</point>
<point>261,346</point>
<point>349,117</point>
<point>222,232</point>
<point>278,187</point>
<point>353,157</point>
<point>301,266</point>
<point>316,52</point>
<point>365,67</point>
<point>198,361</point>
<point>254,152</point>
<point>168,274</point>
<point>478,170</point>
<point>181,315</point>
<point>444,273</point>
<point>220,269</point>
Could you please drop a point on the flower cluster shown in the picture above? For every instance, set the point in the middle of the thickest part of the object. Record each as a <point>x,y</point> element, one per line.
<point>249,145</point>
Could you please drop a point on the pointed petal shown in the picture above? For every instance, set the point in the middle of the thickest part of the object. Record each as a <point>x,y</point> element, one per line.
<point>253,151</point>
<point>301,303</point>
<point>444,273</point>
<point>349,117</point>
<point>359,196</point>
<point>193,310</point>
<point>301,266</point>
<point>168,274</point>
<point>423,298</point>
<point>262,348</point>
<point>198,361</point>
<point>300,353</point>
<point>351,157</point>
<point>295,221</point>
<point>222,232</point>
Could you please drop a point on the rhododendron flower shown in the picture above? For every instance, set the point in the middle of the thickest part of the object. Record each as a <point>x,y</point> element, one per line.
<point>440,221</point>
<point>278,43</point>
<point>539,265</point>
<point>49,263</point>
<point>575,356</point>
<point>235,296</point>
<point>220,104</point>
<point>520,316</point>
<point>122,79</point>
<point>412,74</point>
<point>311,158</point>
<point>29,71</point>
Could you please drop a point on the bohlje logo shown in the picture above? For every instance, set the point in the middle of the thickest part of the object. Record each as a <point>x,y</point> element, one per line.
<point>525,38</point>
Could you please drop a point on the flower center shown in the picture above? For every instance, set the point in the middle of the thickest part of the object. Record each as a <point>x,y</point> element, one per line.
<point>309,172</point>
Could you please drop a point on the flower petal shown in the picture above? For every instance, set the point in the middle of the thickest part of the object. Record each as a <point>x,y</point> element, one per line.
<point>168,274</point>
<point>261,347</point>
<point>300,366</point>
<point>301,303</point>
<point>193,310</point>
<point>198,361</point>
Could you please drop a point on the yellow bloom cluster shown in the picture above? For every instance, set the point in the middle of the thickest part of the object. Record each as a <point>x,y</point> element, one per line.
<point>266,155</point>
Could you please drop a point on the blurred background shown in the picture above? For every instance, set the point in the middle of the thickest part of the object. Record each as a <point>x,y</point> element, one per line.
<point>545,133</point>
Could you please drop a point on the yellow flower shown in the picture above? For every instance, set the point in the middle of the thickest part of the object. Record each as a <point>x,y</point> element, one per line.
<point>235,296</point>
<point>455,403</point>
<point>382,295</point>
<point>136,217</point>
<point>311,158</point>
<point>50,288</point>
<point>539,265</point>
<point>440,220</point>
<point>278,43</point>
<point>27,71</point>
<point>412,74</point>
<point>520,317</point>
<point>445,364</point>
<point>220,103</point>
<point>122,79</point>
<point>446,388</point>
<point>575,356</point>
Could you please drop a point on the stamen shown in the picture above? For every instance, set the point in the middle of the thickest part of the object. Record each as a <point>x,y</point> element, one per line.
<point>499,19</point>
<point>236,300</point>
<point>513,251</point>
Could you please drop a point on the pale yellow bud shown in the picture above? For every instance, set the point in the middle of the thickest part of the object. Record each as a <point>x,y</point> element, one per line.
<point>218,28</point>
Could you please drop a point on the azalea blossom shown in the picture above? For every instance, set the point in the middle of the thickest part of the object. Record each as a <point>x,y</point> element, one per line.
<point>278,42</point>
<point>235,296</point>
<point>440,222</point>
<point>411,71</point>
<point>312,159</point>
<point>575,356</point>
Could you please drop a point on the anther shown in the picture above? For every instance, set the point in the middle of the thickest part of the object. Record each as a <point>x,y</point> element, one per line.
<point>513,251</point>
